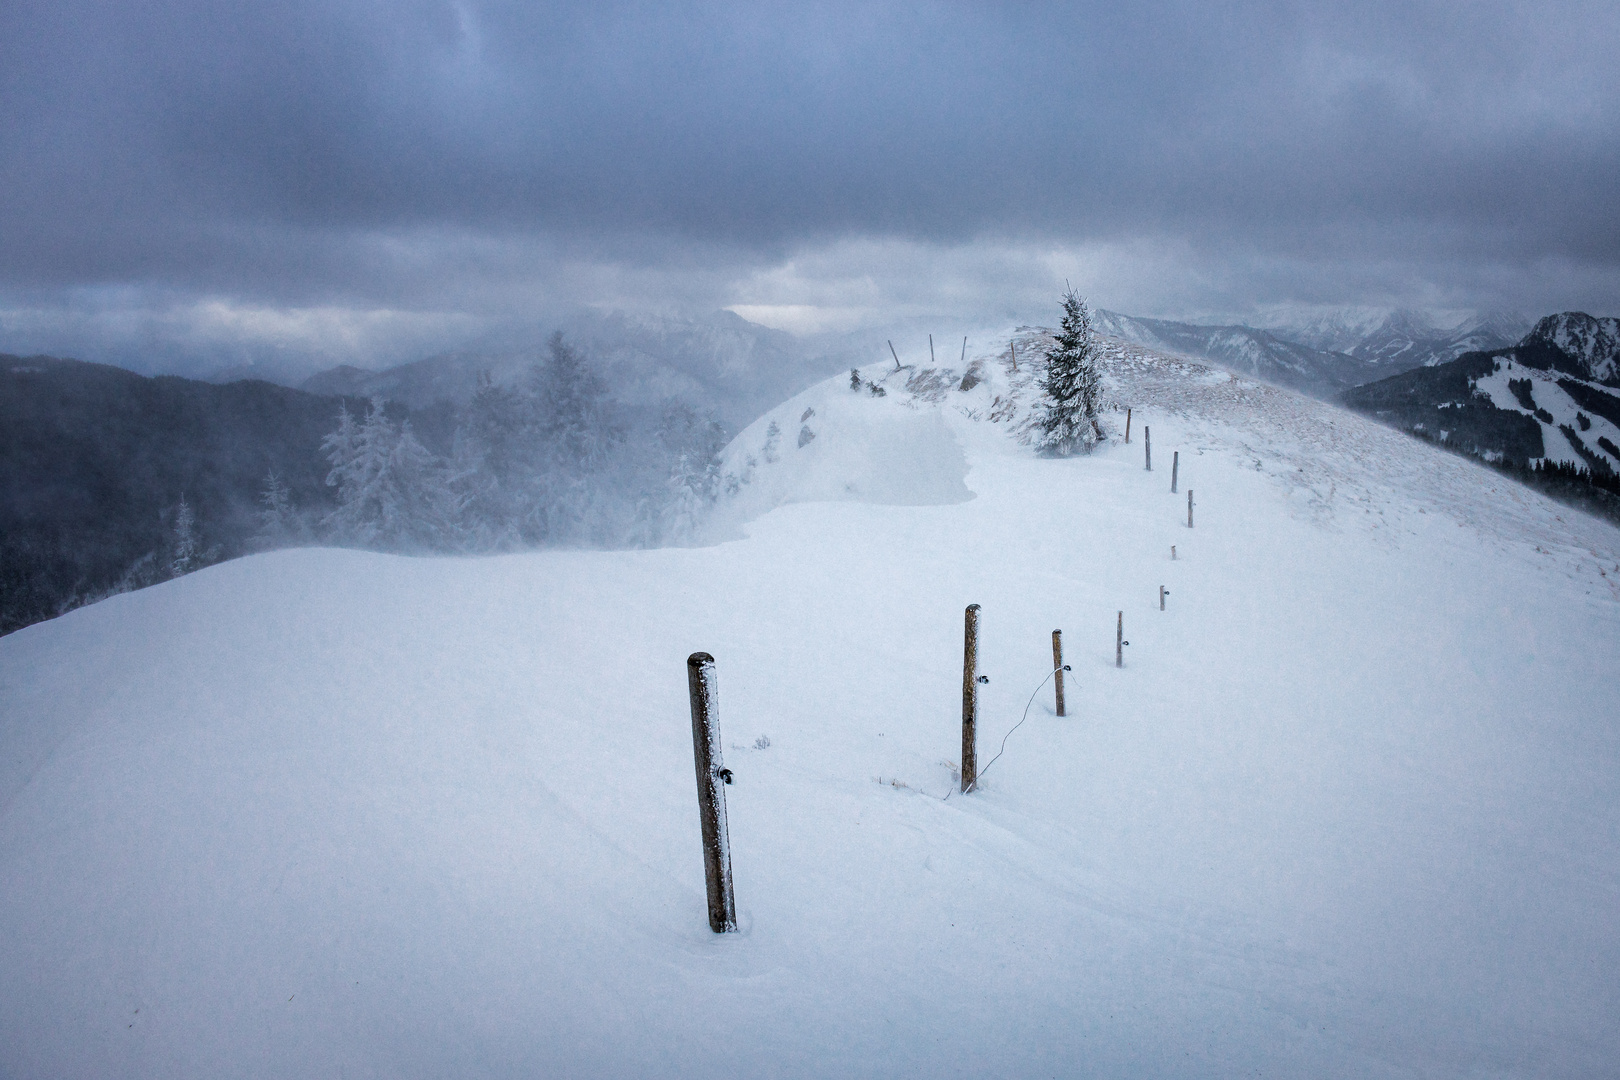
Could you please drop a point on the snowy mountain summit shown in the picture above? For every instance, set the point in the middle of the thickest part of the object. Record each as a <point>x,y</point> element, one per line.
<point>1344,805</point>
<point>1586,347</point>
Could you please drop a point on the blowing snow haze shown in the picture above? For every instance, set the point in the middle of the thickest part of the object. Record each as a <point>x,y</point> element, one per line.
<point>195,186</point>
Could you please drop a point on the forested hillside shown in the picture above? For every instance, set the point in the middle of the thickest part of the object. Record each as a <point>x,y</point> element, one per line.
<point>95,462</point>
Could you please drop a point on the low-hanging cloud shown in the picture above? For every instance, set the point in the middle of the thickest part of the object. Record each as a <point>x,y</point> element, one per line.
<point>471,160</point>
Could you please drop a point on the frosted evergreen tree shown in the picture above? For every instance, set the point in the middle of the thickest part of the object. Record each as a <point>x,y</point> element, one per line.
<point>692,486</point>
<point>280,524</point>
<point>392,492</point>
<point>579,434</point>
<point>1072,386</point>
<point>187,552</point>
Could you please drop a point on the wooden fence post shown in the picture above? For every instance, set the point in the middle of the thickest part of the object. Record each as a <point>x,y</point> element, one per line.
<point>931,361</point>
<point>1172,553</point>
<point>1119,641</point>
<point>1147,445</point>
<point>1012,350</point>
<point>970,698</point>
<point>711,776</point>
<point>1127,427</point>
<point>964,353</point>
<point>1175,467</point>
<point>1057,667</point>
<point>1189,508</point>
<point>895,355</point>
<point>1163,592</point>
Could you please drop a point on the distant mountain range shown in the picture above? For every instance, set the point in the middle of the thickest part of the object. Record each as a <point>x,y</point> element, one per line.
<point>1322,355</point>
<point>720,364</point>
<point>1554,396</point>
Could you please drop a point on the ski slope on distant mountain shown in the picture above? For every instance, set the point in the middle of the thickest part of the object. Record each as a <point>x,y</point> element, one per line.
<point>1349,809</point>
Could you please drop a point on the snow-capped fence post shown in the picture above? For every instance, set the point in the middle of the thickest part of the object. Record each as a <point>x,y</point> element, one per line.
<point>1175,467</point>
<point>1119,641</point>
<point>711,776</point>
<point>1189,508</point>
<point>1127,427</point>
<point>1057,667</point>
<point>1147,446</point>
<point>970,698</point>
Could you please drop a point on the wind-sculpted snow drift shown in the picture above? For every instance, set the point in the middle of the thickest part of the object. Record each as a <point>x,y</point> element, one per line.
<point>1348,809</point>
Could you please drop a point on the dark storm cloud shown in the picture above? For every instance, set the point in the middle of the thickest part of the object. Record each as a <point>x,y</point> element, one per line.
<point>368,153</point>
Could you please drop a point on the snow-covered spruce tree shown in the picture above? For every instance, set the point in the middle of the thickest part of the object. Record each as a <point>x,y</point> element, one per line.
<point>497,455</point>
<point>280,523</point>
<point>187,552</point>
<point>1072,387</point>
<point>393,494</point>
<point>579,433</point>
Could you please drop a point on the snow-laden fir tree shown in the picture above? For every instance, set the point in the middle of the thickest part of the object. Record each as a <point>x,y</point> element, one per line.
<point>280,523</point>
<point>187,552</point>
<point>1072,386</point>
<point>392,492</point>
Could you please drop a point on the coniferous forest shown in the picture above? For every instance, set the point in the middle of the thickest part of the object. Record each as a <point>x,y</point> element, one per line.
<point>116,481</point>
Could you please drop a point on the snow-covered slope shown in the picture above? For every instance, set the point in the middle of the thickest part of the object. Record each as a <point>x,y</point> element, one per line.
<point>1550,397</point>
<point>1349,808</point>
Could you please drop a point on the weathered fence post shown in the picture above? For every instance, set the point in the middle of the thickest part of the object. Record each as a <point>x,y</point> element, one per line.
<point>964,353</point>
<point>1119,641</point>
<point>1163,592</point>
<point>1172,553</point>
<point>1127,427</point>
<point>1147,445</point>
<point>711,776</point>
<point>931,361</point>
<point>1057,667</point>
<point>895,355</point>
<point>1175,467</point>
<point>1012,350</point>
<point>970,698</point>
<point>1189,508</point>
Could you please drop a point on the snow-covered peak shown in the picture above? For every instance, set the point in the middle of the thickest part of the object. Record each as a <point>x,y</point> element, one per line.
<point>1593,344</point>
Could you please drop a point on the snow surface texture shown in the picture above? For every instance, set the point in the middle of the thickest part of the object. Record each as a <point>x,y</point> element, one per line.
<point>1349,809</point>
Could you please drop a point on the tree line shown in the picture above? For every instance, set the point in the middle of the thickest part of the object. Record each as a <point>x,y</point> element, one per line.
<point>554,460</point>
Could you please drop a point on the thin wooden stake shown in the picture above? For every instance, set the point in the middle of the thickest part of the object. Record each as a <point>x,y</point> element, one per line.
<point>970,698</point>
<point>1189,508</point>
<point>1127,427</point>
<point>1175,467</point>
<point>1119,641</point>
<point>1162,593</point>
<point>931,360</point>
<point>711,776</point>
<point>1057,667</point>
<point>964,352</point>
<point>1012,349</point>
<point>1172,553</point>
<point>1147,445</point>
<point>895,355</point>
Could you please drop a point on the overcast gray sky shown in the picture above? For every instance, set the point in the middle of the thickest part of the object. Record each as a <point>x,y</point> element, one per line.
<point>371,180</point>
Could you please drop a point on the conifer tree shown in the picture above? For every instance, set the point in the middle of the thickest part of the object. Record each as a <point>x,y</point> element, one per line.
<point>187,553</point>
<point>1072,386</point>
<point>392,492</point>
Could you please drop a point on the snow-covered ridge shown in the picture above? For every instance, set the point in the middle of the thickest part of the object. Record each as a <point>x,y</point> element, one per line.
<point>1346,810</point>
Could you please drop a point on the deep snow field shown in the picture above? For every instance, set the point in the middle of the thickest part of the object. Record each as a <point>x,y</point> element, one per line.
<point>1351,808</point>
